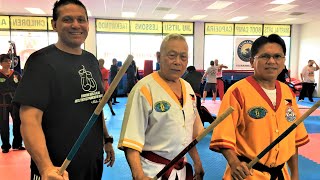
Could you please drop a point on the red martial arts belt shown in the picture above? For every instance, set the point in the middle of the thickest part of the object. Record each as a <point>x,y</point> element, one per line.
<point>161,160</point>
<point>275,172</point>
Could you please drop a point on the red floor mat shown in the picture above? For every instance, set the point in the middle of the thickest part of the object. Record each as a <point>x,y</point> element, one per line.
<point>15,165</point>
<point>311,150</point>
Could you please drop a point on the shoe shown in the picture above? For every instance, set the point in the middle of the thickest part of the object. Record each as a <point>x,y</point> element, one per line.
<point>113,114</point>
<point>116,102</point>
<point>21,148</point>
<point>311,100</point>
<point>113,103</point>
<point>5,150</point>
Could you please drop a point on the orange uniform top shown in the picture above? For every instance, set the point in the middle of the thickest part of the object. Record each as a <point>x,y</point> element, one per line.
<point>256,122</point>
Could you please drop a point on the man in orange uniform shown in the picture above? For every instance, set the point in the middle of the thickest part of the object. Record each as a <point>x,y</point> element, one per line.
<point>105,76</point>
<point>264,109</point>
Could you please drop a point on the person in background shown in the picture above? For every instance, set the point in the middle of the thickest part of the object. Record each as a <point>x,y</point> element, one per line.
<point>264,109</point>
<point>211,75</point>
<point>160,106</point>
<point>113,72</point>
<point>131,76</point>
<point>58,94</point>
<point>220,82</point>
<point>105,76</point>
<point>9,80</point>
<point>283,75</point>
<point>158,61</point>
<point>193,77</point>
<point>307,77</point>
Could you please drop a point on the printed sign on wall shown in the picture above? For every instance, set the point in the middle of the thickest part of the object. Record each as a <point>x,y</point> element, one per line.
<point>242,53</point>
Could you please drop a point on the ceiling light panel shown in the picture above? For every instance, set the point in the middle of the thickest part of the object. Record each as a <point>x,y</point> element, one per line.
<point>171,16</point>
<point>35,10</point>
<point>238,18</point>
<point>281,1</point>
<point>219,5</point>
<point>284,7</point>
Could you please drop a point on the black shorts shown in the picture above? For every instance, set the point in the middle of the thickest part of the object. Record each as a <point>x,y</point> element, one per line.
<point>210,87</point>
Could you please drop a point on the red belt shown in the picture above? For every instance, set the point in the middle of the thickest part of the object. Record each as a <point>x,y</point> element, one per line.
<point>161,160</point>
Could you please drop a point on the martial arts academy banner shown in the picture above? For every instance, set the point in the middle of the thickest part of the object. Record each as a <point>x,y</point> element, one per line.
<point>242,53</point>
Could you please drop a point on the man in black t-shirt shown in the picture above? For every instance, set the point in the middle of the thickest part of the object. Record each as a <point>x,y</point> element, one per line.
<point>58,93</point>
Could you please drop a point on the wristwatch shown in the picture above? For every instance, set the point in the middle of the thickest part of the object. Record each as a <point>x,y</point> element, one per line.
<point>108,140</point>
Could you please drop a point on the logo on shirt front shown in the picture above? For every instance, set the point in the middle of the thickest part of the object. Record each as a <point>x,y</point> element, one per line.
<point>2,80</point>
<point>89,86</point>
<point>15,79</point>
<point>162,106</point>
<point>87,81</point>
<point>257,112</point>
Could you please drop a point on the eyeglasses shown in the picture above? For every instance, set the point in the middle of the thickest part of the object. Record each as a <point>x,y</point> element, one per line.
<point>267,57</point>
<point>173,55</point>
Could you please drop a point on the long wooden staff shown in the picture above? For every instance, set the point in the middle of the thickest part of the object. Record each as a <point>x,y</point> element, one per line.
<point>194,142</point>
<point>95,114</point>
<point>283,135</point>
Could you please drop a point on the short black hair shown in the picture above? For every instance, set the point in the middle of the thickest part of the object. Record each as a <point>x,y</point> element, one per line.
<point>60,3</point>
<point>191,68</point>
<point>4,57</point>
<point>211,63</point>
<point>262,40</point>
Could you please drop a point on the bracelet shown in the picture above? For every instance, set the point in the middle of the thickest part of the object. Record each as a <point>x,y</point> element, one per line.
<point>108,140</point>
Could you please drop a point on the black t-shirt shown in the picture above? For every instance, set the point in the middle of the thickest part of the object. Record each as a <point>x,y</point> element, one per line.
<point>113,72</point>
<point>66,88</point>
<point>282,76</point>
<point>194,79</point>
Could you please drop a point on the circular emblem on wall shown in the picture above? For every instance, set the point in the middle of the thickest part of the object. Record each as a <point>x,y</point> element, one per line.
<point>244,50</point>
<point>257,112</point>
<point>162,106</point>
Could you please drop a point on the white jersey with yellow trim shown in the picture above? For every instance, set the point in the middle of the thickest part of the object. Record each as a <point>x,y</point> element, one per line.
<point>155,121</point>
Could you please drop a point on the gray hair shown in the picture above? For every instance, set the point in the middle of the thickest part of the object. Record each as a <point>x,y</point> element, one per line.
<point>171,37</point>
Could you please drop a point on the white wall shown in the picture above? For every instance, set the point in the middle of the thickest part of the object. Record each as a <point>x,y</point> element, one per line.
<point>198,45</point>
<point>310,48</point>
<point>295,52</point>
<point>90,43</point>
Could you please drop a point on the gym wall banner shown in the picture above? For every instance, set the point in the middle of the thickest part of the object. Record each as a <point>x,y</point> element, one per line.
<point>242,53</point>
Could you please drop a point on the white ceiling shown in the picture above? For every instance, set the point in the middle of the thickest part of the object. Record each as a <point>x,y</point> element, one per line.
<point>257,10</point>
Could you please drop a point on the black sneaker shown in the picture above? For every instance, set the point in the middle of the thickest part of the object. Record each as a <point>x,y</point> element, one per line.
<point>5,150</point>
<point>311,100</point>
<point>116,102</point>
<point>21,148</point>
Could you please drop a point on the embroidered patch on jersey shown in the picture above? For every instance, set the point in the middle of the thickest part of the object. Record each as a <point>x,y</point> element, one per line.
<point>2,80</point>
<point>162,106</point>
<point>257,112</point>
<point>15,78</point>
<point>194,103</point>
<point>290,115</point>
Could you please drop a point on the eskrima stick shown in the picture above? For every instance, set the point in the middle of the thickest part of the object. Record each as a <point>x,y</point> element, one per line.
<point>95,114</point>
<point>194,142</point>
<point>283,135</point>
